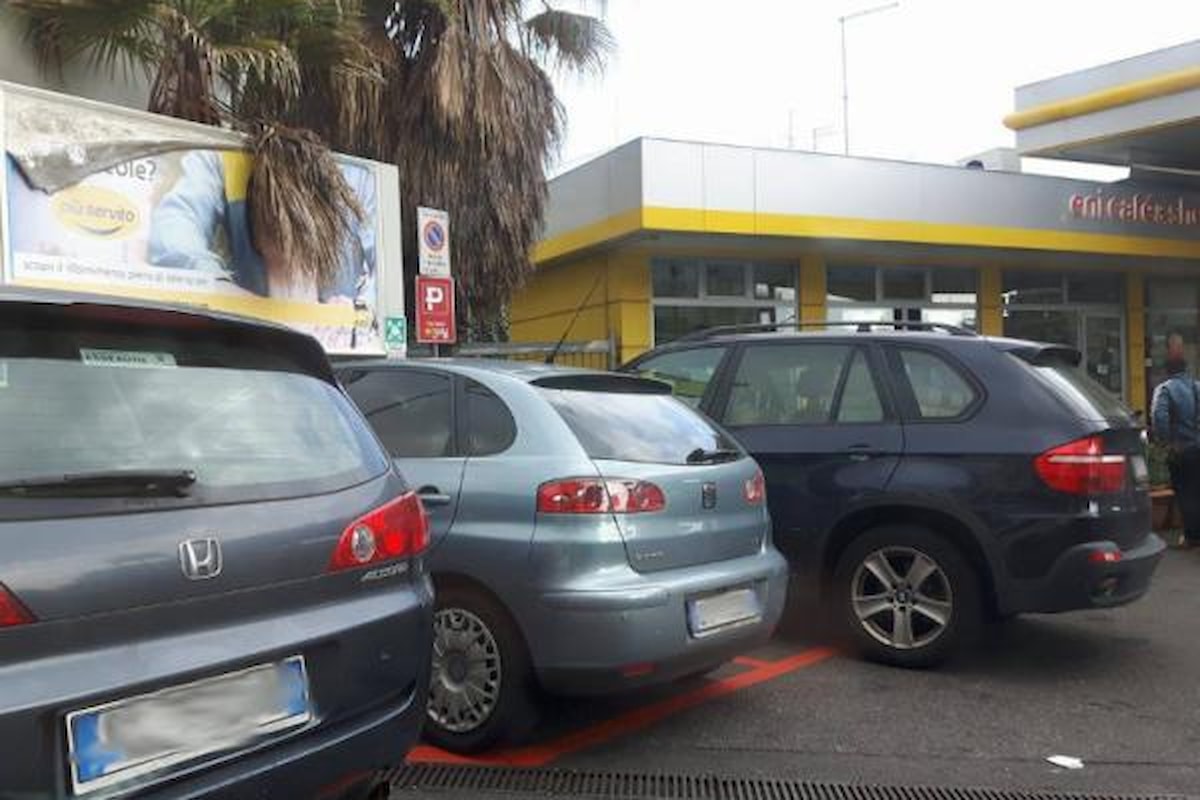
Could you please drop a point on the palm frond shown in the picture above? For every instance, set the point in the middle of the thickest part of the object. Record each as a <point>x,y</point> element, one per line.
<point>110,34</point>
<point>577,42</point>
<point>299,200</point>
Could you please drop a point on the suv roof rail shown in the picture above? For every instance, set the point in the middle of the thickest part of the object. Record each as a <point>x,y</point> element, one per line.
<point>859,326</point>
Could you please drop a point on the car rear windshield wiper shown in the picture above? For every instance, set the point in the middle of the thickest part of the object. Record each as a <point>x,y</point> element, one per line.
<point>702,456</point>
<point>104,483</point>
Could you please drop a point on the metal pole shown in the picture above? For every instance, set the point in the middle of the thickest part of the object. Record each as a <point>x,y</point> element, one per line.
<point>845,94</point>
<point>845,80</point>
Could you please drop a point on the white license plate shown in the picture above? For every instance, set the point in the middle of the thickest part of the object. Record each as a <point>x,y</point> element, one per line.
<point>709,614</point>
<point>145,736</point>
<point>1141,474</point>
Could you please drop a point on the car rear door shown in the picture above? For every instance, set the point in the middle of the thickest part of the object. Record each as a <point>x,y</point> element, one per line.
<point>817,418</point>
<point>413,411</point>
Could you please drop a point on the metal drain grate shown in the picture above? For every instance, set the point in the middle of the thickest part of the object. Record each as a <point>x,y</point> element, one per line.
<point>666,786</point>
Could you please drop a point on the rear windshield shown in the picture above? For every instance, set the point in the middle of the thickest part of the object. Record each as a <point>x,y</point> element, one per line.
<point>1083,395</point>
<point>248,423</point>
<point>653,428</point>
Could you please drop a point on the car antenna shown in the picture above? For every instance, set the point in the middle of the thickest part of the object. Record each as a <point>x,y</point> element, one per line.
<point>553,354</point>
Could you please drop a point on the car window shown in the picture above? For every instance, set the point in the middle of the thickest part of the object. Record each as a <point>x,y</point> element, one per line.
<point>409,410</point>
<point>940,391</point>
<point>491,428</point>
<point>791,384</point>
<point>687,371</point>
<point>624,426</point>
<point>860,399</point>
<point>249,423</point>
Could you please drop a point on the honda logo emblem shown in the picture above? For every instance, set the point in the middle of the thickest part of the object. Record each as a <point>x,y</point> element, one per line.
<point>200,559</point>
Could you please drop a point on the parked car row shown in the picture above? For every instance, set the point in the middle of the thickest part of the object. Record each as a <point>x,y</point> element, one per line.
<point>227,578</point>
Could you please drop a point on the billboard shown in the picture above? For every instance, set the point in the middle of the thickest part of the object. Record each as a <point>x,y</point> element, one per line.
<point>168,221</point>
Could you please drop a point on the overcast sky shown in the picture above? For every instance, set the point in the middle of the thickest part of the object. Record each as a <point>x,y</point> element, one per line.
<point>929,80</point>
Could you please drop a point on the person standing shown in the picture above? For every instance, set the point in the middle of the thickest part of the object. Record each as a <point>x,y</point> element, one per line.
<point>1175,423</point>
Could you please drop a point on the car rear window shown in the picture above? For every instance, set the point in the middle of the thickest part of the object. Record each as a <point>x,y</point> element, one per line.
<point>1086,398</point>
<point>624,426</point>
<point>251,424</point>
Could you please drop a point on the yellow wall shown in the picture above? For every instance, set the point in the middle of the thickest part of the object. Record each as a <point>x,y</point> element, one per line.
<point>811,282</point>
<point>991,315</point>
<point>618,306</point>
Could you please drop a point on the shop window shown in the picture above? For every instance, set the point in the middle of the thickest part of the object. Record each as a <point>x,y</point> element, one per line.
<point>725,280</point>
<point>1097,287</point>
<point>844,284</point>
<point>671,322</point>
<point>690,295</point>
<point>903,283</point>
<point>1034,287</point>
<point>775,282</point>
<point>945,295</point>
<point>955,286</point>
<point>675,279</point>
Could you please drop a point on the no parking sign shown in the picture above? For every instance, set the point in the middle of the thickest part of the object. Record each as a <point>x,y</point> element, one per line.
<point>433,242</point>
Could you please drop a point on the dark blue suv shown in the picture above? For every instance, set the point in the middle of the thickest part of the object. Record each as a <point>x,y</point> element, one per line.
<point>923,477</point>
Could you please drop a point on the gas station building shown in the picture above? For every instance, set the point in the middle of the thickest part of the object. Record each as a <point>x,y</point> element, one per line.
<point>657,238</point>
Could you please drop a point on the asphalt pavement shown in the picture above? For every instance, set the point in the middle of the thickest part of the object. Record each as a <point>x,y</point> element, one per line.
<point>1118,689</point>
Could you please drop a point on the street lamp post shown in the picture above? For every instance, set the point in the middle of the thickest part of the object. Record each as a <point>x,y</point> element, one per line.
<point>845,82</point>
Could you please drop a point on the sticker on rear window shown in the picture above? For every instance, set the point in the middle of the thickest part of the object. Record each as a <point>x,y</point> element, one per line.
<point>137,359</point>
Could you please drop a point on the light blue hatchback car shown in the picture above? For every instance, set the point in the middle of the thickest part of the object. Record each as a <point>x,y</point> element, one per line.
<point>591,533</point>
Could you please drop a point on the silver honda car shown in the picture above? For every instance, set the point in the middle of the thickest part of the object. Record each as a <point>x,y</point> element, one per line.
<point>590,533</point>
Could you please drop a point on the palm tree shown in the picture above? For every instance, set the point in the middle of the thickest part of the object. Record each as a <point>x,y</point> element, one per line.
<point>472,122</point>
<point>454,92</point>
<point>245,64</point>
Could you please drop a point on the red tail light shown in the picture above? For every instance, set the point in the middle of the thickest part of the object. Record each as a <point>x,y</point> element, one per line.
<point>12,613</point>
<point>599,496</point>
<point>755,489</point>
<point>395,530</point>
<point>1082,467</point>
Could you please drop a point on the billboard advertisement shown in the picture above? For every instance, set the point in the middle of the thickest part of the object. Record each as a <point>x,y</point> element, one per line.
<point>170,223</point>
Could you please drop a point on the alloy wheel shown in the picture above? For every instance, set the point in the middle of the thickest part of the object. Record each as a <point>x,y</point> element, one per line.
<point>465,684</point>
<point>902,597</point>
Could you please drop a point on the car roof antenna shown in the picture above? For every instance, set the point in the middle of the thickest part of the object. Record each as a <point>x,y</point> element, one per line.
<point>579,308</point>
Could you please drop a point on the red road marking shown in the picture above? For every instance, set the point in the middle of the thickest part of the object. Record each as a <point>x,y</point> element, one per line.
<point>541,754</point>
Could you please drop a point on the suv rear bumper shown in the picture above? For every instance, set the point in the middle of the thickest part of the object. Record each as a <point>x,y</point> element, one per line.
<point>1076,582</point>
<point>637,633</point>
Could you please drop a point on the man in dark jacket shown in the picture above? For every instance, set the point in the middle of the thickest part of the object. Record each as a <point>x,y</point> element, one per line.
<point>1176,424</point>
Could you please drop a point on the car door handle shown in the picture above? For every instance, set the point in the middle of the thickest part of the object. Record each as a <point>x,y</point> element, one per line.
<point>432,496</point>
<point>863,452</point>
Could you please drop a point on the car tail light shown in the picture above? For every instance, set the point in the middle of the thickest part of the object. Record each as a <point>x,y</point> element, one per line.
<point>755,489</point>
<point>599,496</point>
<point>1082,467</point>
<point>12,613</point>
<point>1105,556</point>
<point>395,530</point>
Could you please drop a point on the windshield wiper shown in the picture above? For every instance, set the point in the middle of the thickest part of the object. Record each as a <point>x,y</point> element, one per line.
<point>104,483</point>
<point>702,456</point>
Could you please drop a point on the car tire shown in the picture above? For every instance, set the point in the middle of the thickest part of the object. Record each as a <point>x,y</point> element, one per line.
<point>905,596</point>
<point>481,688</point>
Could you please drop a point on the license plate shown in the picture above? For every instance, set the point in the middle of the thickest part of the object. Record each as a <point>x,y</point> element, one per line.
<point>717,611</point>
<point>147,735</point>
<point>1141,474</point>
